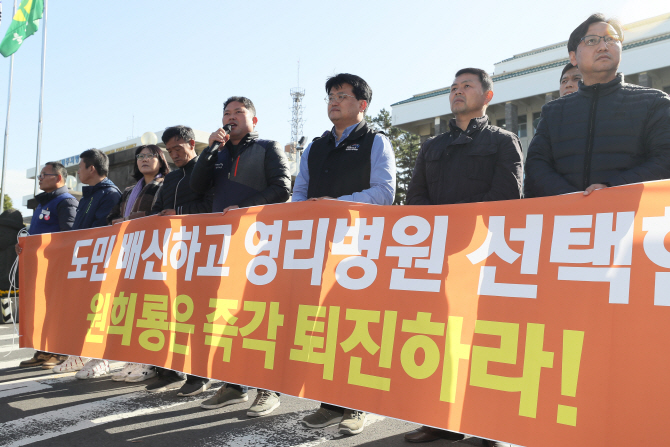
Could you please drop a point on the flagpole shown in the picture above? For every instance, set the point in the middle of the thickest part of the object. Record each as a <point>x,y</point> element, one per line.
<point>9,106</point>
<point>39,125</point>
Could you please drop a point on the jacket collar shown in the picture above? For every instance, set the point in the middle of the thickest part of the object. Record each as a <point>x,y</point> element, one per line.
<point>87,191</point>
<point>601,89</point>
<point>188,167</point>
<point>46,197</point>
<point>355,133</point>
<point>463,136</point>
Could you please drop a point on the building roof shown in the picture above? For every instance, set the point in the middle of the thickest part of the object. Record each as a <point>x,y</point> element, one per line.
<point>552,64</point>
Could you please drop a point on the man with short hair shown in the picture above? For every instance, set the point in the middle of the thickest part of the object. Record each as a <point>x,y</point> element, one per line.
<point>98,199</point>
<point>609,133</point>
<point>101,194</point>
<point>176,197</point>
<point>472,162</point>
<point>246,171</point>
<point>570,77</point>
<point>352,163</point>
<point>56,209</point>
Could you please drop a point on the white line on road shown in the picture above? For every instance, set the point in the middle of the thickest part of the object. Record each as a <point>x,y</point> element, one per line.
<point>59,422</point>
<point>14,388</point>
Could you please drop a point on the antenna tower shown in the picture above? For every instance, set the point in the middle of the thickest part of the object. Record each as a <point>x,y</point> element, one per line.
<point>297,94</point>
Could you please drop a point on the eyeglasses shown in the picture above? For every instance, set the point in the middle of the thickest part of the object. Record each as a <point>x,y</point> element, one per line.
<point>330,99</point>
<point>145,156</point>
<point>593,40</point>
<point>42,175</point>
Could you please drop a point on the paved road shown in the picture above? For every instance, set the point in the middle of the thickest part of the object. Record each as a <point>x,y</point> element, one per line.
<point>40,408</point>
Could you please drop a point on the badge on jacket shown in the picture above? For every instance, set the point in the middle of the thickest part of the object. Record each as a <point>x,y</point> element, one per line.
<point>353,147</point>
<point>45,214</point>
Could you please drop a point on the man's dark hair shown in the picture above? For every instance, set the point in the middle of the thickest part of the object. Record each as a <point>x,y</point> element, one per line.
<point>183,132</point>
<point>163,167</point>
<point>569,66</point>
<point>96,158</point>
<point>245,101</point>
<point>583,28</point>
<point>361,89</point>
<point>57,168</point>
<point>484,78</point>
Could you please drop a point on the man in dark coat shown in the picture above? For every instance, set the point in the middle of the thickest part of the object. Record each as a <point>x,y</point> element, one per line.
<point>177,197</point>
<point>246,171</point>
<point>101,194</point>
<point>472,162</point>
<point>608,133</point>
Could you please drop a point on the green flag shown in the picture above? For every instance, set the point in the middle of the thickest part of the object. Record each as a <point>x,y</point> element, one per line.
<point>23,26</point>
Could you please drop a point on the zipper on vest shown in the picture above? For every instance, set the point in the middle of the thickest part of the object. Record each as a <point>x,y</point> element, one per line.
<point>590,137</point>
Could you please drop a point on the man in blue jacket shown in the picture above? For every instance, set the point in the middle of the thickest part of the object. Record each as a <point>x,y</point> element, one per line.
<point>98,199</point>
<point>55,212</point>
<point>100,195</point>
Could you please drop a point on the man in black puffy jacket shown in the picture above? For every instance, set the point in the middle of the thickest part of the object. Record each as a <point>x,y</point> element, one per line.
<point>246,171</point>
<point>608,133</point>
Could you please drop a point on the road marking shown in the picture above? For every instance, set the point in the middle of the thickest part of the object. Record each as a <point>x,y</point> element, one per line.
<point>9,337</point>
<point>52,424</point>
<point>20,387</point>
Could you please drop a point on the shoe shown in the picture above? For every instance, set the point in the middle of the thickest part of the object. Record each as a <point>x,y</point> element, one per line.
<point>141,373</point>
<point>71,364</point>
<point>265,403</point>
<point>352,422</point>
<point>224,396</point>
<point>167,381</point>
<point>124,373</point>
<point>322,418</point>
<point>93,368</point>
<point>53,360</point>
<point>427,434</point>
<point>489,443</point>
<point>37,360</point>
<point>194,387</point>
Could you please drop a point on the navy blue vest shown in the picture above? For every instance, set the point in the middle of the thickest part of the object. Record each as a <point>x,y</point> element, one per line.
<point>45,218</point>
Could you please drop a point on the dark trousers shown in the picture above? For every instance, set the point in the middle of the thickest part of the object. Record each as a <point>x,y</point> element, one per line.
<point>334,408</point>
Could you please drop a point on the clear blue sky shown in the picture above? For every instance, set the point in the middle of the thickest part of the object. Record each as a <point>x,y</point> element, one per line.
<point>175,62</point>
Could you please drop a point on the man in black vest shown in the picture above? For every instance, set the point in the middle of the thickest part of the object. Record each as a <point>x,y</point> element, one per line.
<point>472,162</point>
<point>351,163</point>
<point>56,209</point>
<point>246,171</point>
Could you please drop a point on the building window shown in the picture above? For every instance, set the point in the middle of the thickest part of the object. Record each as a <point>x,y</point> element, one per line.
<point>536,120</point>
<point>523,132</point>
<point>501,123</point>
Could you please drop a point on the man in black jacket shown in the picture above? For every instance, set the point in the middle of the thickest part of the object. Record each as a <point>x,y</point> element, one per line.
<point>177,197</point>
<point>246,171</point>
<point>607,134</point>
<point>472,162</point>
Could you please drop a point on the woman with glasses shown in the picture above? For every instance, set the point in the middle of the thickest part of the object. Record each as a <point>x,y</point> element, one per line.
<point>136,201</point>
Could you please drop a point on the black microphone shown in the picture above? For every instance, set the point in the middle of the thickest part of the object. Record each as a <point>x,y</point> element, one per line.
<point>227,128</point>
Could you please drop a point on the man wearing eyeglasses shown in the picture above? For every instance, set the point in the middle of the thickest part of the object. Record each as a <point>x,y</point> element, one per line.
<point>353,163</point>
<point>608,133</point>
<point>56,209</point>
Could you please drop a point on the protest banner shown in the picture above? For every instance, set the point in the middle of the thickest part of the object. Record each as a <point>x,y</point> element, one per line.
<point>541,322</point>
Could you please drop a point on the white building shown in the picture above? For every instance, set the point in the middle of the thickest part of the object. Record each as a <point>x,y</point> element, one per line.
<point>523,83</point>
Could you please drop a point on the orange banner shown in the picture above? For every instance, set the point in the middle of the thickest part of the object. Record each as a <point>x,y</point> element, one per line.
<point>540,322</point>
